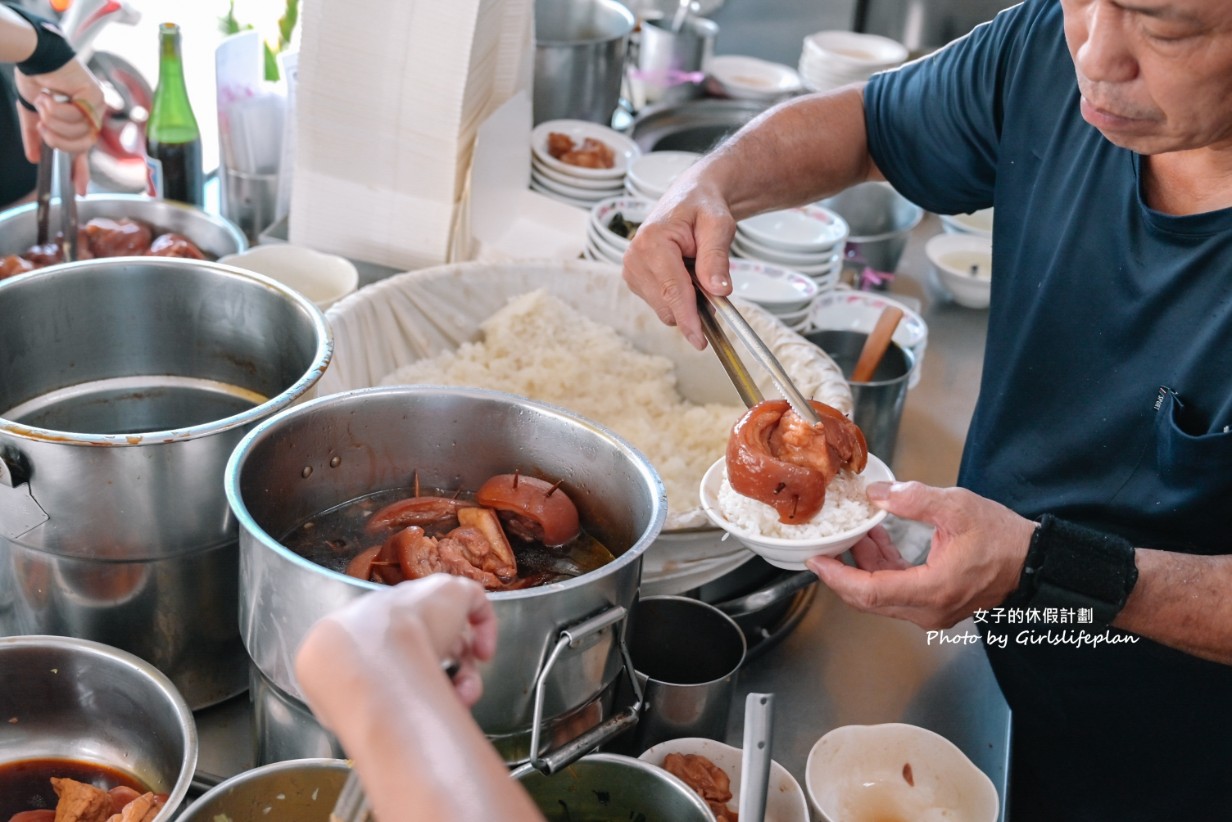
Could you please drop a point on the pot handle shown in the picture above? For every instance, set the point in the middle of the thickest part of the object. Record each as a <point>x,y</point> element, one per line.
<point>564,756</point>
<point>19,511</point>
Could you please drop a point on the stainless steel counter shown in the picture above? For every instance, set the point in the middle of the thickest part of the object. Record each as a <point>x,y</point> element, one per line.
<point>840,667</point>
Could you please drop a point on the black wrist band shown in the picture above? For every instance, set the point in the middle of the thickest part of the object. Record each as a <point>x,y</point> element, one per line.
<point>1069,566</point>
<point>51,50</point>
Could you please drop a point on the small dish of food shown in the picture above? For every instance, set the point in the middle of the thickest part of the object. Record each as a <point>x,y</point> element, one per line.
<point>712,769</point>
<point>789,491</point>
<point>583,150</point>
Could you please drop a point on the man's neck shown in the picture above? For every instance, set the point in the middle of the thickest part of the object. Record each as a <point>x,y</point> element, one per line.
<point>1189,182</point>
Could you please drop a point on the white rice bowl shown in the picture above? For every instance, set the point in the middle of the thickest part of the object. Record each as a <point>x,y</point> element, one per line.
<point>845,517</point>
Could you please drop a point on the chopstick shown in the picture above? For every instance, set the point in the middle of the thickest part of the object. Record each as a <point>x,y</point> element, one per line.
<point>711,306</point>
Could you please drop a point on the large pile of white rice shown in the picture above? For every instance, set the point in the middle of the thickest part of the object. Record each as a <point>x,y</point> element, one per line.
<point>542,348</point>
<point>846,507</point>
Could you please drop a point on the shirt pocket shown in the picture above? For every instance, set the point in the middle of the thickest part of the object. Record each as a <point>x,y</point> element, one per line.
<point>1187,456</point>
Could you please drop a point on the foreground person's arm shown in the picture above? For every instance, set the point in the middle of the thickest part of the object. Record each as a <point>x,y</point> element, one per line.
<point>976,561</point>
<point>372,673</point>
<point>798,152</point>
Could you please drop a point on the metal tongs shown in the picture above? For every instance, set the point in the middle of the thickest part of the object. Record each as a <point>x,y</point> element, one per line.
<point>58,165</point>
<point>711,308</point>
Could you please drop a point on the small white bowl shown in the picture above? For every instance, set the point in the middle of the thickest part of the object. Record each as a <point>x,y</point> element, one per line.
<point>653,173</point>
<point>785,800</point>
<point>322,278</point>
<point>962,264</point>
<point>761,251</point>
<point>751,78</point>
<point>577,202</point>
<point>977,222</point>
<point>809,228</point>
<point>778,289</point>
<point>634,209</point>
<point>789,554</point>
<point>861,772</point>
<point>624,150</point>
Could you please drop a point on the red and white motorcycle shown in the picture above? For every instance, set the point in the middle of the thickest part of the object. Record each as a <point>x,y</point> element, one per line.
<point>117,161</point>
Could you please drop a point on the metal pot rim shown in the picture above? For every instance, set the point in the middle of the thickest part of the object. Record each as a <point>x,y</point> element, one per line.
<point>187,723</point>
<point>249,526</point>
<point>320,361</point>
<point>222,223</point>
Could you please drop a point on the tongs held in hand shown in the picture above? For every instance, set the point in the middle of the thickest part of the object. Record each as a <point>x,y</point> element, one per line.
<point>57,165</point>
<point>711,309</point>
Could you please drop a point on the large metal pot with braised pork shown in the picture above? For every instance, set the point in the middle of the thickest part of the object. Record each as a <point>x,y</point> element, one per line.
<point>561,646</point>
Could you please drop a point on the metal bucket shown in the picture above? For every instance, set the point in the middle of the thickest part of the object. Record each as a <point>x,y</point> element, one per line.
<point>561,646</point>
<point>880,219</point>
<point>878,402</point>
<point>580,49</point>
<point>303,790</point>
<point>126,385</point>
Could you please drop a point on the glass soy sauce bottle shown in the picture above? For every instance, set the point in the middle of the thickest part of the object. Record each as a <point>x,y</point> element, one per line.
<point>173,140</point>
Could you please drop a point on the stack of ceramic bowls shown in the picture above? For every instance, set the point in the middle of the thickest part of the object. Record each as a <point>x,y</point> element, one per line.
<point>607,229</point>
<point>830,59</point>
<point>809,239</point>
<point>785,293</point>
<point>651,174</point>
<point>577,185</point>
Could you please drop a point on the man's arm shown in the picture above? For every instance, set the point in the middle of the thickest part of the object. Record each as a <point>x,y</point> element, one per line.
<point>802,150</point>
<point>1182,601</point>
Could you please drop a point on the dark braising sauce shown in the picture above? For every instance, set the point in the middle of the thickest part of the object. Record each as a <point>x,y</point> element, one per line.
<point>334,537</point>
<point>25,785</point>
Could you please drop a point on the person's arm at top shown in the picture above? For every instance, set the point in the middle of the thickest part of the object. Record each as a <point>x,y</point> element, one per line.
<point>46,63</point>
<point>372,673</point>
<point>800,151</point>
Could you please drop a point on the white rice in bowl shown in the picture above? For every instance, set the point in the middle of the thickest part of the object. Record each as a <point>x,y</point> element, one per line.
<point>540,347</point>
<point>846,507</point>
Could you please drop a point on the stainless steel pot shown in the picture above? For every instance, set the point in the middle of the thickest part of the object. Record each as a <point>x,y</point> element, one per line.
<point>69,698</point>
<point>611,786</point>
<point>561,645</point>
<point>302,790</point>
<point>212,234</point>
<point>126,385</point>
<point>580,50</point>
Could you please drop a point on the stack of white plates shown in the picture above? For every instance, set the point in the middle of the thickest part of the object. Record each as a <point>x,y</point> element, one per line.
<point>751,78</point>
<point>602,242</point>
<point>809,239</point>
<point>785,293</point>
<point>830,59</point>
<point>573,184</point>
<point>651,174</point>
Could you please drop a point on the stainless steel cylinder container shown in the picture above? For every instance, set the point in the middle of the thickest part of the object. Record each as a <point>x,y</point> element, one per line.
<point>580,51</point>
<point>125,385</point>
<point>66,698</point>
<point>321,454</point>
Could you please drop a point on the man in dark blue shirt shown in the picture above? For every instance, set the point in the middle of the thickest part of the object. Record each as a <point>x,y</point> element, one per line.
<point>1099,459</point>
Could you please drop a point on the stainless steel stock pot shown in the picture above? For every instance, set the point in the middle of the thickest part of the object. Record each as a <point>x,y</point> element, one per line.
<point>561,645</point>
<point>124,386</point>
